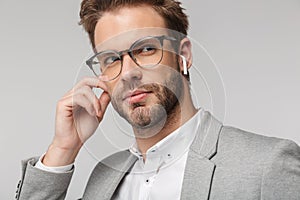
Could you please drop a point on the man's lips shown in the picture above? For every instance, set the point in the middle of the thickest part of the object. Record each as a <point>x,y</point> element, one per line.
<point>136,96</point>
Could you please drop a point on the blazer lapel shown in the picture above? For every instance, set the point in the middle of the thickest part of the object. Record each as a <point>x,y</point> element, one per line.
<point>198,171</point>
<point>118,168</point>
<point>199,168</point>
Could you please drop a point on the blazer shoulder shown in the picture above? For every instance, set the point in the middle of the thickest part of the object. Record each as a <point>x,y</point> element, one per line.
<point>281,172</point>
<point>236,136</point>
<point>244,144</point>
<point>267,166</point>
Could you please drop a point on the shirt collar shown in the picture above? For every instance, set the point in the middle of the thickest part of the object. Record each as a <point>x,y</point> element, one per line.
<point>174,145</point>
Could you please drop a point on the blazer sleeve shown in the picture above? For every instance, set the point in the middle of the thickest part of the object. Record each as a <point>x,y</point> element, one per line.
<point>281,173</point>
<point>38,184</point>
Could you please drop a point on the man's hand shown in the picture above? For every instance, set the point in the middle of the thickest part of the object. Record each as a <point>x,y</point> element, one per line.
<point>78,115</point>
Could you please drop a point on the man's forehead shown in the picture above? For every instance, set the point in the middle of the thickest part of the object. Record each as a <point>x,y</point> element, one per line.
<point>126,39</point>
<point>126,19</point>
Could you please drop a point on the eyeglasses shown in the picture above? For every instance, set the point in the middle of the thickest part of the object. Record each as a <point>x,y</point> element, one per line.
<point>146,52</point>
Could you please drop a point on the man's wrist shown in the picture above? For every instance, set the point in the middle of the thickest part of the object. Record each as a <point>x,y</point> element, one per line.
<point>56,157</point>
<point>58,169</point>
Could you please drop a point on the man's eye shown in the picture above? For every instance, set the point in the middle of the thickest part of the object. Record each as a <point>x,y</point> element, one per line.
<point>110,60</point>
<point>146,50</point>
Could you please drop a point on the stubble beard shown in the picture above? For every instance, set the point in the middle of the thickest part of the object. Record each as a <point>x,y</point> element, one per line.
<point>142,117</point>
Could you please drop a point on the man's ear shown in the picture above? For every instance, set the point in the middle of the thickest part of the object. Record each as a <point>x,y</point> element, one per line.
<point>185,49</point>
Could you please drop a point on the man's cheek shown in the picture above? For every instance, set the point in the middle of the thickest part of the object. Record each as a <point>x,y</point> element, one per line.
<point>110,91</point>
<point>114,92</point>
<point>112,86</point>
<point>151,99</point>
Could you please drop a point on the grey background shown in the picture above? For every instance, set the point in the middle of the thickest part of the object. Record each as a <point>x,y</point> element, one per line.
<point>255,45</point>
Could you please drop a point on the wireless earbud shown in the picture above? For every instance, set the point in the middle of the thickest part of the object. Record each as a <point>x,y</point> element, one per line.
<point>185,72</point>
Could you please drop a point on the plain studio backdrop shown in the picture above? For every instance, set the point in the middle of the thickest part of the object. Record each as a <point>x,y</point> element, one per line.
<point>255,45</point>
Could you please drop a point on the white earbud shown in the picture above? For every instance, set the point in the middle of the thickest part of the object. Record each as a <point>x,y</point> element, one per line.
<point>185,72</point>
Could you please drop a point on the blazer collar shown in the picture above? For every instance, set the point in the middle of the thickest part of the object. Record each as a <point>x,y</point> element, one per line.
<point>199,168</point>
<point>120,168</point>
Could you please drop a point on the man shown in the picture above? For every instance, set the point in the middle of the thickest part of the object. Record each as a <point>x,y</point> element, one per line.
<point>181,152</point>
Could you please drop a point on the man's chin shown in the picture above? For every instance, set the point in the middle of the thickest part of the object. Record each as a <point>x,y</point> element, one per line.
<point>140,116</point>
<point>144,117</point>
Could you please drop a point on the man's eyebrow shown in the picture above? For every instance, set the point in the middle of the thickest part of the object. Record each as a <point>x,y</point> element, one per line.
<point>111,50</point>
<point>114,48</point>
<point>118,49</point>
<point>127,42</point>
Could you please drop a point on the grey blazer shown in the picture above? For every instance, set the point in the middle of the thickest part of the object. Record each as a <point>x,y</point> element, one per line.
<point>224,163</point>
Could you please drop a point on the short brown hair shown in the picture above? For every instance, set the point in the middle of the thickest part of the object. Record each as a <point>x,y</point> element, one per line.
<point>171,11</point>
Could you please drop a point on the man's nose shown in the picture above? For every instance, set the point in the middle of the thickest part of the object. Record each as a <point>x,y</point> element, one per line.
<point>131,71</point>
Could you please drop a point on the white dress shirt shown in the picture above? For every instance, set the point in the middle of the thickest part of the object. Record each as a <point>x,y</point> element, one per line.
<point>161,175</point>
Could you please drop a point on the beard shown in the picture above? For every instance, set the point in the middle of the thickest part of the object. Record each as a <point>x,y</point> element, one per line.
<point>167,99</point>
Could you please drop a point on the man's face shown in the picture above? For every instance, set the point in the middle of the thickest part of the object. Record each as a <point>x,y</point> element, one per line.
<point>144,97</point>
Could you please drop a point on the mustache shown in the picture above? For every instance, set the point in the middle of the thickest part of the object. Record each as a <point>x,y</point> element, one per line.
<point>154,88</point>
<point>149,87</point>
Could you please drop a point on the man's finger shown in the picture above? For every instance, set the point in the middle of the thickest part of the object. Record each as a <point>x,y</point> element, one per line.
<point>91,82</point>
<point>104,101</point>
